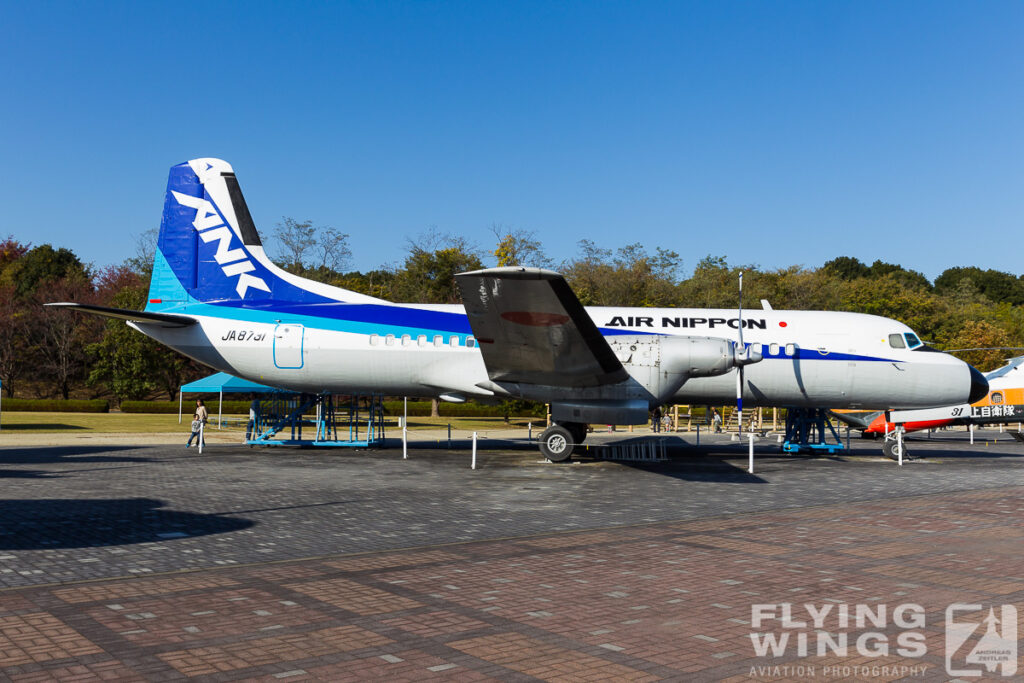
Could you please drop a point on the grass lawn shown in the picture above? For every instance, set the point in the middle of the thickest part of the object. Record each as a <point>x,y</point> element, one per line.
<point>137,423</point>
<point>95,423</point>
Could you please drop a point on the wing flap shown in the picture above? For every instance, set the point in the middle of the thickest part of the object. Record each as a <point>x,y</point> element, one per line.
<point>533,329</point>
<point>161,319</point>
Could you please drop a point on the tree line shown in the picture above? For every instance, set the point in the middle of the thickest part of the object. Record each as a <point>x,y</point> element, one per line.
<point>49,353</point>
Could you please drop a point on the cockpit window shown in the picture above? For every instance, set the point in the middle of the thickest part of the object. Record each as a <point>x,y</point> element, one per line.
<point>896,341</point>
<point>912,341</point>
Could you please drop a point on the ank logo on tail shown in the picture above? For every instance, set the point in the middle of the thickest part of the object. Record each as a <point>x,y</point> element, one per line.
<point>211,226</point>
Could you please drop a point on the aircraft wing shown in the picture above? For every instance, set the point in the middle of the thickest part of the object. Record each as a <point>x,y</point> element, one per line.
<point>532,329</point>
<point>160,319</point>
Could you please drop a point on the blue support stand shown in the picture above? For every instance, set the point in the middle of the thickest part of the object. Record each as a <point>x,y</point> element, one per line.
<point>808,429</point>
<point>280,419</point>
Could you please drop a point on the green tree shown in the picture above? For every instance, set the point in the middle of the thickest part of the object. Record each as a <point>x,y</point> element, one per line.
<point>311,251</point>
<point>11,251</point>
<point>928,314</point>
<point>130,364</point>
<point>59,336</point>
<point>377,283</point>
<point>518,248</point>
<point>145,251</point>
<point>846,268</point>
<point>986,343</point>
<point>629,276</point>
<point>794,288</point>
<point>428,274</point>
<point>994,285</point>
<point>15,319</point>
<point>909,278</point>
<point>43,264</point>
<point>715,284</point>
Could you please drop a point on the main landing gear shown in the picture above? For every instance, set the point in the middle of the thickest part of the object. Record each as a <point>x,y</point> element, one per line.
<point>558,441</point>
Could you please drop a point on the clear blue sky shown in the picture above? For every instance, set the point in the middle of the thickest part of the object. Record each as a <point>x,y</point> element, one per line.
<point>770,133</point>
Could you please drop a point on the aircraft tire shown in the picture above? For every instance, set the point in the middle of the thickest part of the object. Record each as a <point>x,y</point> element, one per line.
<point>890,449</point>
<point>557,443</point>
<point>578,431</point>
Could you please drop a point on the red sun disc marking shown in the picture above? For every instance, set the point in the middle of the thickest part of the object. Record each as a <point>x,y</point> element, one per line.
<point>782,324</point>
<point>535,319</point>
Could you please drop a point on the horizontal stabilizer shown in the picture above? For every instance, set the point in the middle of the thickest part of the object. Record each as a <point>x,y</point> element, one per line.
<point>533,330</point>
<point>160,319</point>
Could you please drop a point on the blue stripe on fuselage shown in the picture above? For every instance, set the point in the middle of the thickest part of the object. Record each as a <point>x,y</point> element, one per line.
<point>380,319</point>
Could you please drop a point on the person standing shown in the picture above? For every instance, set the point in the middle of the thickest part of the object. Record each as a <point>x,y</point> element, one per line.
<point>197,426</point>
<point>199,420</point>
<point>250,431</point>
<point>716,420</point>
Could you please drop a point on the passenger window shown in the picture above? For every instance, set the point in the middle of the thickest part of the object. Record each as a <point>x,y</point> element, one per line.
<point>756,347</point>
<point>773,349</point>
<point>896,341</point>
<point>996,398</point>
<point>454,341</point>
<point>389,340</point>
<point>790,349</point>
<point>470,342</point>
<point>421,340</point>
<point>374,339</point>
<point>406,339</point>
<point>438,340</point>
<point>912,341</point>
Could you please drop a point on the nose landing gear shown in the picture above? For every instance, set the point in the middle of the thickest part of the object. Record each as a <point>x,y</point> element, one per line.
<point>893,444</point>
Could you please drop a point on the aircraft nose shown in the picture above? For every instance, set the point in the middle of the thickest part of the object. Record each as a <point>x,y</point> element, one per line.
<point>979,386</point>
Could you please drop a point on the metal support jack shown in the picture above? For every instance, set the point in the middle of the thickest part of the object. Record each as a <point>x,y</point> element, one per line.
<point>279,421</point>
<point>808,429</point>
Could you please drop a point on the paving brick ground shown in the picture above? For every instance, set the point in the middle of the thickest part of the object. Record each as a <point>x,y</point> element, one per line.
<point>156,564</point>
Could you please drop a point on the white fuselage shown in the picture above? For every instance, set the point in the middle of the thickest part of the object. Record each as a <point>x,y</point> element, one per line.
<point>810,358</point>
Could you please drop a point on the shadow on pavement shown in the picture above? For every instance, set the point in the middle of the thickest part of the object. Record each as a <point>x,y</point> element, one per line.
<point>71,455</point>
<point>685,460</point>
<point>40,524</point>
<point>27,474</point>
<point>34,427</point>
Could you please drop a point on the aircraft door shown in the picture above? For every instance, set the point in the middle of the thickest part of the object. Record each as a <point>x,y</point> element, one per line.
<point>288,343</point>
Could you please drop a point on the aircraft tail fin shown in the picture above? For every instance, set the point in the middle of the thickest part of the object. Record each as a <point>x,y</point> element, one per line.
<point>209,250</point>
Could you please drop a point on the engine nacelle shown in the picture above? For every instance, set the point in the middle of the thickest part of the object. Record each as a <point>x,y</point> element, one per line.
<point>657,367</point>
<point>661,364</point>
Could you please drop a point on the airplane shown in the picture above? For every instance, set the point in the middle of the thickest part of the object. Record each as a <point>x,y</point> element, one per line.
<point>216,297</point>
<point>1004,403</point>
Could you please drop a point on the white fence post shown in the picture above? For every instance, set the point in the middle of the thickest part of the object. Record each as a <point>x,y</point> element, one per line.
<point>750,462</point>
<point>201,436</point>
<point>405,443</point>
<point>474,451</point>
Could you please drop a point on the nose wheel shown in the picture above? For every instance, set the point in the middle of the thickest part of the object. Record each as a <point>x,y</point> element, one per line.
<point>892,445</point>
